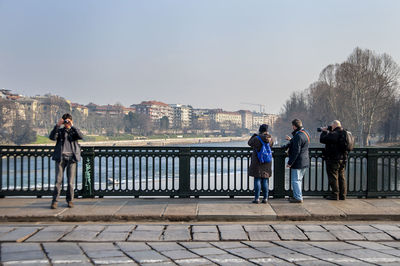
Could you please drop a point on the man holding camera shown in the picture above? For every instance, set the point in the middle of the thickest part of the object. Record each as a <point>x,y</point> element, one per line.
<point>335,158</point>
<point>67,153</point>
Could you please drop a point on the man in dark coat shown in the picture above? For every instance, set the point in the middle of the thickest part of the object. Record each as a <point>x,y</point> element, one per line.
<point>260,171</point>
<point>335,159</point>
<point>67,153</point>
<point>298,158</point>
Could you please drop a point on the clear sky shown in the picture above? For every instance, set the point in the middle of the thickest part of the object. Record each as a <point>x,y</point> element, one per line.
<point>207,53</point>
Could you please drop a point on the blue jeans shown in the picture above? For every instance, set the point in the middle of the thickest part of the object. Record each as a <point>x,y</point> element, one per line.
<point>297,179</point>
<point>258,183</point>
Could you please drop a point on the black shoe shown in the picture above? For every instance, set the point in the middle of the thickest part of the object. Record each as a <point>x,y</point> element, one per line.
<point>256,201</point>
<point>332,198</point>
<point>293,200</point>
<point>342,197</point>
<point>264,201</point>
<point>53,205</point>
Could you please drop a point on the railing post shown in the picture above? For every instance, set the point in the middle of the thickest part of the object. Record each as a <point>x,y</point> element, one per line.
<point>372,172</point>
<point>279,172</point>
<point>88,172</point>
<point>184,172</point>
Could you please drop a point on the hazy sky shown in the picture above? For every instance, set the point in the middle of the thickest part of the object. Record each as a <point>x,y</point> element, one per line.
<point>207,53</point>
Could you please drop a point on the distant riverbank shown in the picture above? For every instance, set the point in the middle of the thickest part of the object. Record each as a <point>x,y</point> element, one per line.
<point>160,142</point>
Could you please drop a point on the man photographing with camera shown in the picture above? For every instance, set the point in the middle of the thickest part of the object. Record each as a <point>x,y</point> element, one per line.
<point>67,153</point>
<point>335,155</point>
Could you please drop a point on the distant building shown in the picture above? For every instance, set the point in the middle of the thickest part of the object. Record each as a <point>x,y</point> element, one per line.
<point>226,119</point>
<point>128,110</point>
<point>155,110</point>
<point>182,115</point>
<point>30,106</point>
<point>106,110</point>
<point>7,94</point>
<point>247,119</point>
<point>261,118</point>
<point>202,121</point>
<point>80,108</point>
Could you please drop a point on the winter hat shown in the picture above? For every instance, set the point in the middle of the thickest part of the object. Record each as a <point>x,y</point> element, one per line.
<point>263,128</point>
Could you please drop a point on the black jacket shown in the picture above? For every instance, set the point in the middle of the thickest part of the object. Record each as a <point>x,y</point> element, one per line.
<point>298,150</point>
<point>257,169</point>
<point>331,140</point>
<point>74,135</point>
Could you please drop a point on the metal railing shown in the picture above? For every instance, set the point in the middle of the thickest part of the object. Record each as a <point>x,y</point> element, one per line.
<point>189,171</point>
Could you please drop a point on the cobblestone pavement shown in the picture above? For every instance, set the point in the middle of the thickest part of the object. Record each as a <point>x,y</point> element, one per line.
<point>200,244</point>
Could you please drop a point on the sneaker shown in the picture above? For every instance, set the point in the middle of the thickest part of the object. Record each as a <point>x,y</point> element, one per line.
<point>293,200</point>
<point>256,201</point>
<point>70,204</point>
<point>264,201</point>
<point>53,205</point>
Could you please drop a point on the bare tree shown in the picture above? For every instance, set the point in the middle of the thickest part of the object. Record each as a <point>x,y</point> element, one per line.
<point>368,82</point>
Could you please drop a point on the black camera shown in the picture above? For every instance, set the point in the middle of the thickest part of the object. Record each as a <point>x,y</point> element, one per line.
<point>320,129</point>
<point>66,121</point>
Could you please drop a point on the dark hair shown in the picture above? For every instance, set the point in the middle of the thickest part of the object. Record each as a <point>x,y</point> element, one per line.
<point>263,128</point>
<point>297,123</point>
<point>67,116</point>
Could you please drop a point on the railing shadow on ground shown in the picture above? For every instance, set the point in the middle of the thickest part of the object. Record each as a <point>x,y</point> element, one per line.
<point>189,171</point>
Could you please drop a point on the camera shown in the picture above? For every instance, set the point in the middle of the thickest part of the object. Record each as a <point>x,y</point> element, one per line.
<point>320,129</point>
<point>66,121</point>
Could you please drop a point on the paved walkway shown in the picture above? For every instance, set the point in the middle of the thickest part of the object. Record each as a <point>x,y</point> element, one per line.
<point>200,244</point>
<point>166,209</point>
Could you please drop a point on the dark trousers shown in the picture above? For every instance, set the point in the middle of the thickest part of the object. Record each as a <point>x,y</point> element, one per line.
<point>336,177</point>
<point>70,164</point>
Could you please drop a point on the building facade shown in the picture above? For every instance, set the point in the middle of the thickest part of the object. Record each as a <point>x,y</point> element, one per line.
<point>155,111</point>
<point>182,115</point>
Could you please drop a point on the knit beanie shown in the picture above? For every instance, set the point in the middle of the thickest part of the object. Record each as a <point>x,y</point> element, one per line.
<point>263,128</point>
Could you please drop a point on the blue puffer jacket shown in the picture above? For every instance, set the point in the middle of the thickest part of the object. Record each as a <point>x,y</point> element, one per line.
<point>298,150</point>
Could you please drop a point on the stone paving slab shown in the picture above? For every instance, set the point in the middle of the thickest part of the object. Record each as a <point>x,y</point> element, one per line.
<point>289,211</point>
<point>263,236</point>
<point>232,210</point>
<point>141,210</point>
<point>205,236</point>
<point>145,235</point>
<point>289,232</point>
<point>179,212</point>
<point>19,234</point>
<point>51,233</point>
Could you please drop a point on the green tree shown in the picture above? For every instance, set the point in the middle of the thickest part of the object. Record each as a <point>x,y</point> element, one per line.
<point>164,123</point>
<point>22,132</point>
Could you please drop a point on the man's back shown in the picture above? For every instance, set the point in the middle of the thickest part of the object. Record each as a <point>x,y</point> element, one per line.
<point>298,150</point>
<point>333,150</point>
